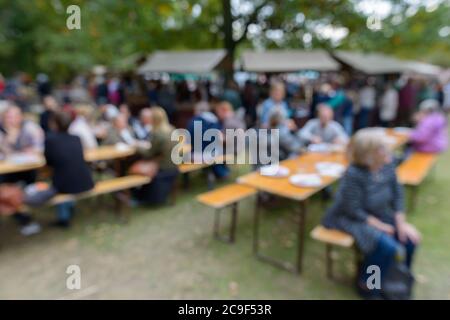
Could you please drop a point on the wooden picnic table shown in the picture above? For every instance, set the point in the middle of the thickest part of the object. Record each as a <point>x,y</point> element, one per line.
<point>92,155</point>
<point>400,138</point>
<point>7,166</point>
<point>282,187</point>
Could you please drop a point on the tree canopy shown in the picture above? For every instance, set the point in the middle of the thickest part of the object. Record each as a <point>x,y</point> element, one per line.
<point>34,36</point>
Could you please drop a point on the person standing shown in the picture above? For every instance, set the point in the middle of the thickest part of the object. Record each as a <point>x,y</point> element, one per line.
<point>407,102</point>
<point>367,102</point>
<point>388,106</point>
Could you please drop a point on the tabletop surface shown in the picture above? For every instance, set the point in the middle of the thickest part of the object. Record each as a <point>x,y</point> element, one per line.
<point>97,154</point>
<point>305,163</point>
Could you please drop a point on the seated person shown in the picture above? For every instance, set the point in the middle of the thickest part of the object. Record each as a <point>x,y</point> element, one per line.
<point>204,119</point>
<point>50,105</point>
<point>323,129</point>
<point>80,127</point>
<point>70,173</point>
<point>18,135</point>
<point>289,144</point>
<point>157,161</point>
<point>120,132</point>
<point>227,116</point>
<point>142,126</point>
<point>369,206</point>
<point>103,117</point>
<point>273,103</point>
<point>430,134</point>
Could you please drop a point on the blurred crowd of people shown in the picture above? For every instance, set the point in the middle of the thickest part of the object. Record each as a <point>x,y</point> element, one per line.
<point>62,123</point>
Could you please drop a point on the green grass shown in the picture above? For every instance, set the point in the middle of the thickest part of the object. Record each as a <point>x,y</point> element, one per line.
<point>169,253</point>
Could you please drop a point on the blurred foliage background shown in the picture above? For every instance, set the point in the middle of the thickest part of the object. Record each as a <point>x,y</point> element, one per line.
<point>34,36</point>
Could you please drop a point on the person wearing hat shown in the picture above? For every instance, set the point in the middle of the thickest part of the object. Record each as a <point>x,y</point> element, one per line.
<point>430,134</point>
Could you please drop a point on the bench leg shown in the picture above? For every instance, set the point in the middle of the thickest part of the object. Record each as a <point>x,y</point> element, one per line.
<point>211,179</point>
<point>413,198</point>
<point>121,198</point>
<point>234,216</point>
<point>357,264</point>
<point>233,223</point>
<point>216,223</point>
<point>174,193</point>
<point>329,260</point>
<point>185,180</point>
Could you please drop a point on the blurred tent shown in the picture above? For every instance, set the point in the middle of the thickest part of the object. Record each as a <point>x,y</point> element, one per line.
<point>194,61</point>
<point>371,63</point>
<point>129,62</point>
<point>288,61</point>
<point>423,68</point>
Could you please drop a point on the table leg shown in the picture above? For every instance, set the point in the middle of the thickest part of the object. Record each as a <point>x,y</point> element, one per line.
<point>297,267</point>
<point>118,167</point>
<point>301,236</point>
<point>256,225</point>
<point>234,217</point>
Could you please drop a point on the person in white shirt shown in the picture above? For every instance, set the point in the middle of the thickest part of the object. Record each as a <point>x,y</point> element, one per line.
<point>142,126</point>
<point>80,127</point>
<point>388,106</point>
<point>323,129</point>
<point>367,102</point>
<point>446,91</point>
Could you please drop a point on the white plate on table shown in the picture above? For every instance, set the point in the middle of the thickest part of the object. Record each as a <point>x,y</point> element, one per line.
<point>306,180</point>
<point>402,130</point>
<point>320,147</point>
<point>122,147</point>
<point>330,169</point>
<point>23,158</point>
<point>275,171</point>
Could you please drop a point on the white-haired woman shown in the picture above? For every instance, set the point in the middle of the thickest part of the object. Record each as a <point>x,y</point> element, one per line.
<point>369,206</point>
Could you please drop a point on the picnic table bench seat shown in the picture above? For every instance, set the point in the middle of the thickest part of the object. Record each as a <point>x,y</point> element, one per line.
<point>104,187</point>
<point>113,185</point>
<point>331,238</point>
<point>413,171</point>
<point>220,198</point>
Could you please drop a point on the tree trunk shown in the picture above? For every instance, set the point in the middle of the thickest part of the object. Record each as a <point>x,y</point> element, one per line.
<point>229,43</point>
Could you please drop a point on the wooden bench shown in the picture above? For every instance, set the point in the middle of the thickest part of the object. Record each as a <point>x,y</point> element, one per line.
<point>223,197</point>
<point>186,168</point>
<point>104,187</point>
<point>413,171</point>
<point>331,238</point>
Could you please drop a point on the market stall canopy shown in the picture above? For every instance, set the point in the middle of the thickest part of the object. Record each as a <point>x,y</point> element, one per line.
<point>371,63</point>
<point>423,68</point>
<point>196,61</point>
<point>288,61</point>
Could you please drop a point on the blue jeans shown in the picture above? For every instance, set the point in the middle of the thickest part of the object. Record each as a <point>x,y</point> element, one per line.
<point>364,118</point>
<point>387,250</point>
<point>347,122</point>
<point>63,210</point>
